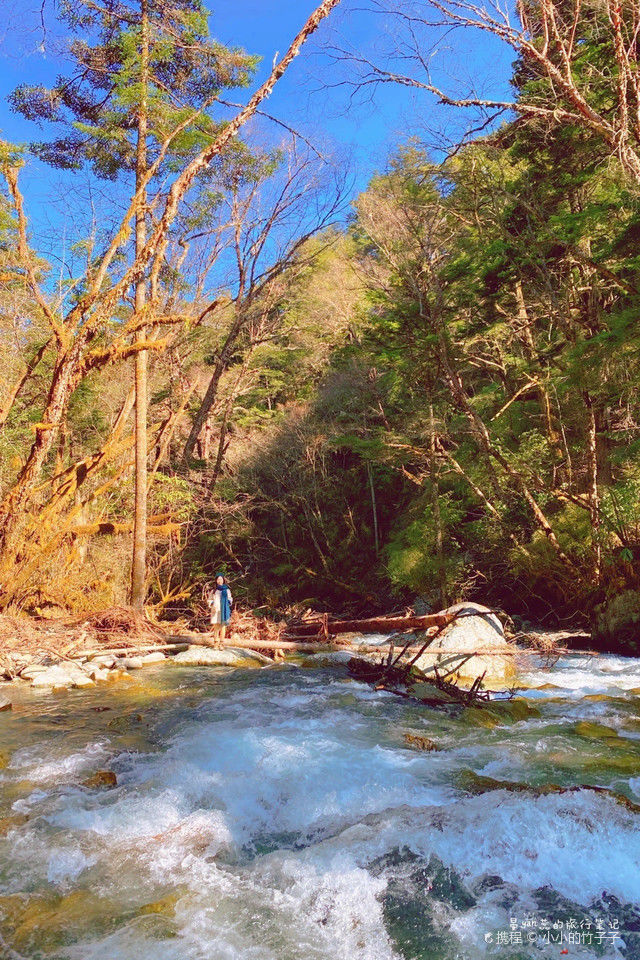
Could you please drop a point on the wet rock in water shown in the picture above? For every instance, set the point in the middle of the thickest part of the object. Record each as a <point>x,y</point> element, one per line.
<point>430,694</point>
<point>617,623</point>
<point>120,674</point>
<point>477,628</point>
<point>101,778</point>
<point>586,728</point>
<point>12,821</point>
<point>165,906</point>
<point>200,656</point>
<point>124,723</point>
<point>36,924</point>
<point>97,672</point>
<point>419,742</point>
<point>5,704</point>
<point>334,658</point>
<point>500,713</point>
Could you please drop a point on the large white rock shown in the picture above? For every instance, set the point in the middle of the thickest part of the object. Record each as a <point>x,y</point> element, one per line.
<point>200,656</point>
<point>157,656</point>
<point>62,675</point>
<point>476,629</point>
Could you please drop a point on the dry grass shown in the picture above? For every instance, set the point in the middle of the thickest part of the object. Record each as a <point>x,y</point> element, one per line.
<point>23,638</point>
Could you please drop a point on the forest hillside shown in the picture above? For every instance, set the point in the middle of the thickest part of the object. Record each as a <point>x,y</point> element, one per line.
<point>424,392</point>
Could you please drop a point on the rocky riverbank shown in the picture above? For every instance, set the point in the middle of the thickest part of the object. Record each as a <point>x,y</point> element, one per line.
<point>106,647</point>
<point>112,645</point>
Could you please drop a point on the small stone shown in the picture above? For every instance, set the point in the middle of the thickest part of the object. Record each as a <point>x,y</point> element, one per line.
<point>98,673</point>
<point>102,778</point>
<point>132,663</point>
<point>13,820</point>
<point>122,724</point>
<point>104,660</point>
<point>420,742</point>
<point>120,674</point>
<point>5,704</point>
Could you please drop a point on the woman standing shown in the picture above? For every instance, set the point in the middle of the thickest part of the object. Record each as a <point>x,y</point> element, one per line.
<point>219,599</point>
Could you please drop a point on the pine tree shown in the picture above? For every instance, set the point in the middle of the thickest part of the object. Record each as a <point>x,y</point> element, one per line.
<point>140,94</point>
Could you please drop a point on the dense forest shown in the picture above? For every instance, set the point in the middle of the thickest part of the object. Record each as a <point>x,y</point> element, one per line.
<point>426,391</point>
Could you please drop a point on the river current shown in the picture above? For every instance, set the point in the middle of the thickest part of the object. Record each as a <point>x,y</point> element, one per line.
<point>292,813</point>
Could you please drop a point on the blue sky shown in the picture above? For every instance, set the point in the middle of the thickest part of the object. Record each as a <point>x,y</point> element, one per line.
<point>315,95</point>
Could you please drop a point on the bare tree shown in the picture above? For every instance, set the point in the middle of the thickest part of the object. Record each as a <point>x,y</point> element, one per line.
<point>84,337</point>
<point>549,37</point>
<point>270,221</point>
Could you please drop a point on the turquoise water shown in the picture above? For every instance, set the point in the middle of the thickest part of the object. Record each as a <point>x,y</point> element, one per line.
<point>281,814</point>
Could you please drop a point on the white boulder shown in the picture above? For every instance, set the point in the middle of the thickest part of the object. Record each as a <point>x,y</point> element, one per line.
<point>157,656</point>
<point>61,675</point>
<point>476,628</point>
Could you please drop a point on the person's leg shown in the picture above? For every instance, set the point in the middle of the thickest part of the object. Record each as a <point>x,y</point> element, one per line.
<point>214,632</point>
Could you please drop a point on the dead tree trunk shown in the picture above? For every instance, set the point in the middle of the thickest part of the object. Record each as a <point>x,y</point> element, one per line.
<point>139,558</point>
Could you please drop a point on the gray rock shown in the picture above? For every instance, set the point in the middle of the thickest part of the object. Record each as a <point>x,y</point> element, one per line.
<point>200,656</point>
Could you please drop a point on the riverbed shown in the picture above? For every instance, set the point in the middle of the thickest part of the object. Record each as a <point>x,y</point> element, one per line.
<point>292,813</point>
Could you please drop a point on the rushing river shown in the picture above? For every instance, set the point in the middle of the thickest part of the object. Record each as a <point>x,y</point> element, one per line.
<point>283,814</point>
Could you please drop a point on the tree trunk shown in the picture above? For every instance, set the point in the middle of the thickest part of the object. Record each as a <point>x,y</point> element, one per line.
<point>435,507</point>
<point>212,389</point>
<point>594,492</point>
<point>14,513</point>
<point>374,509</point>
<point>488,447</point>
<point>545,401</point>
<point>139,559</point>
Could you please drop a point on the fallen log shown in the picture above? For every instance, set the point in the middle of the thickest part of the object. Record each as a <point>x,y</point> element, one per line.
<point>370,625</point>
<point>128,651</point>
<point>320,647</point>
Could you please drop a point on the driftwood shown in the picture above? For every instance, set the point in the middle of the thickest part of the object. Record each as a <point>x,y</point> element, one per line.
<point>317,646</point>
<point>129,651</point>
<point>330,627</point>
